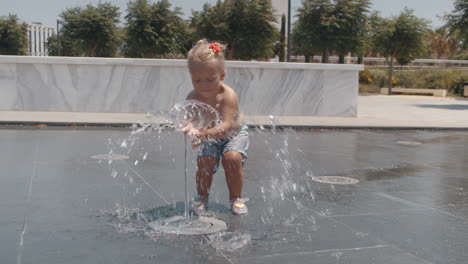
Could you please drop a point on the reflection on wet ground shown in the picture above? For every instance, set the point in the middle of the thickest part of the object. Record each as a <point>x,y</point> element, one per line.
<point>61,205</point>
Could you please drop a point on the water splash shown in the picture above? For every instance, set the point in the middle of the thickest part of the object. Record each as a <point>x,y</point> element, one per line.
<point>289,181</point>
<point>197,115</point>
<point>229,241</point>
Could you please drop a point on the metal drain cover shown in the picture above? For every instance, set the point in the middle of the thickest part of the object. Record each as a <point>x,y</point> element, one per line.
<point>110,157</point>
<point>335,180</point>
<point>178,226</point>
<point>409,143</point>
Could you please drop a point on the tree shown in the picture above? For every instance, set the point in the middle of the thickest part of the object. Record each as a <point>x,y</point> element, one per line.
<point>212,22</point>
<point>370,29</point>
<point>349,27</point>
<point>67,46</point>
<point>338,25</point>
<point>92,31</point>
<point>282,41</point>
<point>302,42</point>
<point>245,25</point>
<point>458,21</point>
<point>442,44</point>
<point>154,30</point>
<point>313,24</point>
<point>400,38</point>
<point>13,36</point>
<point>253,34</point>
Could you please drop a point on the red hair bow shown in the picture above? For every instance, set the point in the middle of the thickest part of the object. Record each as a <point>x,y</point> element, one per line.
<point>215,47</point>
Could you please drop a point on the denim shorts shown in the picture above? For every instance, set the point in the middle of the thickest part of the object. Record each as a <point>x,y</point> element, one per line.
<point>239,142</point>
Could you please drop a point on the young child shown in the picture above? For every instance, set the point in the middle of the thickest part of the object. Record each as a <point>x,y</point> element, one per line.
<point>226,142</point>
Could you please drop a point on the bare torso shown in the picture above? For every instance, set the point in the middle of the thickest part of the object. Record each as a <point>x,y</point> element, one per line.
<point>225,102</point>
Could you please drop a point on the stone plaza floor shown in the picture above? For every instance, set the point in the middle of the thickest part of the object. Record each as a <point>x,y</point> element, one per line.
<point>60,203</point>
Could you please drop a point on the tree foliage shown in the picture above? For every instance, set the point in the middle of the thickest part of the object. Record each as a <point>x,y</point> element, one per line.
<point>62,47</point>
<point>326,25</point>
<point>13,36</point>
<point>349,26</point>
<point>154,30</point>
<point>211,22</point>
<point>299,43</point>
<point>457,21</point>
<point>400,38</point>
<point>311,32</point>
<point>91,31</point>
<point>245,25</point>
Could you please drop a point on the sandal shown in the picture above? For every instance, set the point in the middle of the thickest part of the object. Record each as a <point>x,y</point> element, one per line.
<point>199,203</point>
<point>238,206</point>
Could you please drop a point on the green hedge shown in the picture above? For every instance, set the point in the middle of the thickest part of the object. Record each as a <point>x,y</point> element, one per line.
<point>450,80</point>
<point>461,56</point>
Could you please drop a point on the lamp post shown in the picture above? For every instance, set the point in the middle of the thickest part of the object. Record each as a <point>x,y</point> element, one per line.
<point>58,37</point>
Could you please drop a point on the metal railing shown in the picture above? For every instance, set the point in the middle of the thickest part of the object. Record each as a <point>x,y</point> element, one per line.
<point>379,62</point>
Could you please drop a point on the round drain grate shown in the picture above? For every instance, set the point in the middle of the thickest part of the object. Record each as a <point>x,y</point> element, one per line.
<point>409,143</point>
<point>335,180</point>
<point>178,226</point>
<point>110,157</point>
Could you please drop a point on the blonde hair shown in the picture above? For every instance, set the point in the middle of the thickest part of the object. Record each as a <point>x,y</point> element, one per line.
<point>204,52</point>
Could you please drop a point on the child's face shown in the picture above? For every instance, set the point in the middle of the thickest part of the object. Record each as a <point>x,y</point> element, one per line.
<point>206,78</point>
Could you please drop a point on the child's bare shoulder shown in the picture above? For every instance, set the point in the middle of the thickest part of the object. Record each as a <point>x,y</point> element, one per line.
<point>230,95</point>
<point>190,95</point>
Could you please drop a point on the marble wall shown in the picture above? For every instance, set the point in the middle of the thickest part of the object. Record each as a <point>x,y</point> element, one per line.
<point>142,85</point>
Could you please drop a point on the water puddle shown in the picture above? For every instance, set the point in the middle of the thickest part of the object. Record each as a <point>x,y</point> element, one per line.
<point>335,180</point>
<point>151,145</point>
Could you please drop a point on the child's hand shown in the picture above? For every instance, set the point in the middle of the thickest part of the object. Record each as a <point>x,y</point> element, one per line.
<point>189,129</point>
<point>195,134</point>
<point>190,132</point>
<point>198,137</point>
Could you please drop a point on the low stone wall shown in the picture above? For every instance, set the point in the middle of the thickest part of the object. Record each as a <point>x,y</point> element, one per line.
<point>142,85</point>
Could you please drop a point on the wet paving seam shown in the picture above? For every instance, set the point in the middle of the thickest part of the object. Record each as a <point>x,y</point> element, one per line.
<point>408,203</point>
<point>431,166</point>
<point>376,238</point>
<point>444,185</point>
<point>412,204</point>
<point>318,251</point>
<point>368,169</point>
<point>356,230</point>
<point>450,186</point>
<point>147,183</point>
<point>27,213</point>
<point>218,251</point>
<point>379,213</point>
<point>319,214</point>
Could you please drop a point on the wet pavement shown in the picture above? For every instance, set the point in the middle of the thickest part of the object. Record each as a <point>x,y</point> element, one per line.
<point>60,205</point>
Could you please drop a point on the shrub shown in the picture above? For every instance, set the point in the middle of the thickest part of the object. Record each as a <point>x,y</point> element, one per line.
<point>379,77</point>
<point>461,56</point>
<point>364,77</point>
<point>450,80</point>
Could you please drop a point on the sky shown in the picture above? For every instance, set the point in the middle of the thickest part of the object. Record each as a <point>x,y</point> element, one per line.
<point>47,11</point>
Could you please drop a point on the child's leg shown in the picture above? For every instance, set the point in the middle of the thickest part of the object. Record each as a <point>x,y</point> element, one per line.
<point>232,164</point>
<point>205,165</point>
